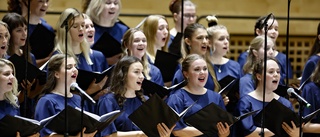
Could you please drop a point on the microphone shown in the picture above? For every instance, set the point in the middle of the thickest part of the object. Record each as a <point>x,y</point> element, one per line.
<point>291,92</point>
<point>266,20</point>
<point>65,22</point>
<point>74,86</point>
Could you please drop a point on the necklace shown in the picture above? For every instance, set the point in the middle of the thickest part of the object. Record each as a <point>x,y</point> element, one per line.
<point>219,68</point>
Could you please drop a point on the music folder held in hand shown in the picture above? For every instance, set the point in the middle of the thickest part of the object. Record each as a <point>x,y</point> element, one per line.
<point>91,122</point>
<point>85,78</point>
<point>32,71</point>
<point>167,64</point>
<point>206,119</point>
<point>108,45</point>
<point>276,113</point>
<point>153,112</point>
<point>41,42</point>
<point>150,88</point>
<point>10,125</point>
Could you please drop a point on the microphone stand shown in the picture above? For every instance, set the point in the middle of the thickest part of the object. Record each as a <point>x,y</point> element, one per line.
<point>66,134</point>
<point>301,108</point>
<point>265,27</point>
<point>82,107</point>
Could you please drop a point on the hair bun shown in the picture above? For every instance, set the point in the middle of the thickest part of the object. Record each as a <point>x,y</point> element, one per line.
<point>212,20</point>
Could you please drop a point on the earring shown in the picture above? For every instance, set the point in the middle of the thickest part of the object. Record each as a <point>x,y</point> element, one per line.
<point>211,52</point>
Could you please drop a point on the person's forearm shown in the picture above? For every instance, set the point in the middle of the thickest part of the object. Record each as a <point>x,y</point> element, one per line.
<point>187,132</point>
<point>311,128</point>
<point>127,134</point>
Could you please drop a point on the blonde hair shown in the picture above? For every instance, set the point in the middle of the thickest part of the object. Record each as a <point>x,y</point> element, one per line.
<point>95,8</point>
<point>255,44</point>
<point>10,96</point>
<point>60,38</point>
<point>6,26</point>
<point>126,42</point>
<point>150,28</point>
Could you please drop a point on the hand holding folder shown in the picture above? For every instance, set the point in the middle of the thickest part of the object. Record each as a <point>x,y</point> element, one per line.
<point>85,78</point>
<point>276,113</point>
<point>153,112</point>
<point>150,88</point>
<point>91,122</point>
<point>206,119</point>
<point>32,71</point>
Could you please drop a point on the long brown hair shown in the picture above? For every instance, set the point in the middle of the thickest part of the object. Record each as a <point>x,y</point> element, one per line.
<point>119,78</point>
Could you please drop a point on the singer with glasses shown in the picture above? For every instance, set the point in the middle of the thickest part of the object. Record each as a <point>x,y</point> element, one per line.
<point>311,94</point>
<point>188,17</point>
<point>254,101</point>
<point>126,95</point>
<point>53,98</point>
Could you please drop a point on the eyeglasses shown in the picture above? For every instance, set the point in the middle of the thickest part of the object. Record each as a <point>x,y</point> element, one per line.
<point>189,16</point>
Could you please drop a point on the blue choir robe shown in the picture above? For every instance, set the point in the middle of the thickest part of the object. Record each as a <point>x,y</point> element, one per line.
<point>282,62</point>
<point>248,104</point>
<point>51,104</point>
<point>117,31</point>
<point>182,99</point>
<point>309,67</point>
<point>43,23</point>
<point>155,75</point>
<point>246,84</point>
<point>242,59</point>
<point>311,93</point>
<point>230,68</point>
<point>108,103</point>
<point>7,109</point>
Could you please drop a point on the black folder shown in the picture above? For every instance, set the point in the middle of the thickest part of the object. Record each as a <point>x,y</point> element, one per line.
<point>275,114</point>
<point>167,63</point>
<point>10,125</point>
<point>282,91</point>
<point>206,119</point>
<point>153,112</point>
<point>85,78</point>
<point>32,71</point>
<point>175,46</point>
<point>150,88</point>
<point>227,84</point>
<point>41,42</point>
<point>91,121</point>
<point>108,45</point>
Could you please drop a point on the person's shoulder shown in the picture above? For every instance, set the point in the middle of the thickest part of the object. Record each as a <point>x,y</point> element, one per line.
<point>211,92</point>
<point>108,96</point>
<point>314,58</point>
<point>233,63</point>
<point>121,26</point>
<point>285,101</point>
<point>247,76</point>
<point>97,53</point>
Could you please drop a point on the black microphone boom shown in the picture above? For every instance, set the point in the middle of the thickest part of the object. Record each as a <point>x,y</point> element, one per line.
<point>302,101</point>
<point>266,20</point>
<point>65,22</point>
<point>74,86</point>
